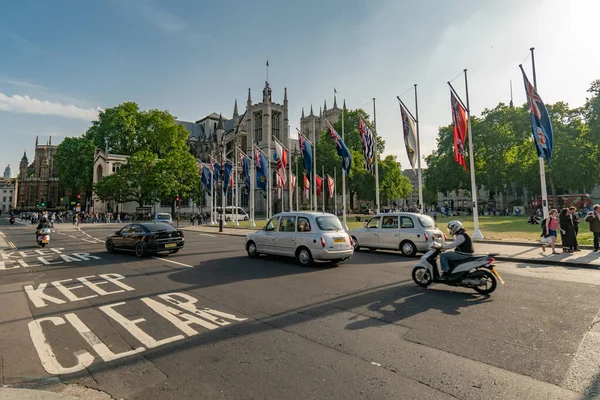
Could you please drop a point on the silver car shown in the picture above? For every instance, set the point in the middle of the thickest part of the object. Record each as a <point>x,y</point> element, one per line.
<point>306,236</point>
<point>408,232</point>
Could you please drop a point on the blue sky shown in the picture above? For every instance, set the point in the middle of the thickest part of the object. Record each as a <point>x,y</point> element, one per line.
<point>63,60</point>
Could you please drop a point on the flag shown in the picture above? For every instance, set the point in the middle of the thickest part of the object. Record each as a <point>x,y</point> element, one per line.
<point>246,169</point>
<point>306,187</point>
<point>228,178</point>
<point>341,148</point>
<point>459,127</point>
<point>280,184</point>
<point>200,166</point>
<point>281,158</point>
<point>319,182</point>
<point>292,182</point>
<point>206,178</point>
<point>330,185</point>
<point>262,170</point>
<point>410,137</point>
<point>541,127</point>
<point>306,149</point>
<point>368,144</point>
<point>216,167</point>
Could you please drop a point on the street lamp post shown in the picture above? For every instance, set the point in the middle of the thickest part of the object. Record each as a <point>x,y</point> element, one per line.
<point>222,176</point>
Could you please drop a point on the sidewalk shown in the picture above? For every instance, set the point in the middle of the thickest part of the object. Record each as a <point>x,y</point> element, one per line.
<point>518,252</point>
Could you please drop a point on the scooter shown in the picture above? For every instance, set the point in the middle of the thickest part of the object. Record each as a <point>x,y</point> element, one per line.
<point>477,272</point>
<point>43,237</point>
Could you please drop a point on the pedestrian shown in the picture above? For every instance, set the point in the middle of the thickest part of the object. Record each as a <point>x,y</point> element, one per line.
<point>575,219</point>
<point>551,226</point>
<point>593,218</point>
<point>567,231</point>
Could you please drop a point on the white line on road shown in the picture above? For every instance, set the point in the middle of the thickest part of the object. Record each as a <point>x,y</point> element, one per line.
<point>71,236</point>
<point>173,262</point>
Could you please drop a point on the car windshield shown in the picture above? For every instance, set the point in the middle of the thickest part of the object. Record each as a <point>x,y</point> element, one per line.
<point>329,223</point>
<point>426,221</point>
<point>159,227</point>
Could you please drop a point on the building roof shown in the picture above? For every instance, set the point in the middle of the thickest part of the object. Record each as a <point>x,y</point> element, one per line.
<point>196,130</point>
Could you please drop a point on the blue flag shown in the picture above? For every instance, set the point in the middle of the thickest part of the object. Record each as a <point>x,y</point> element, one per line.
<point>206,178</point>
<point>217,169</point>
<point>262,170</point>
<point>246,169</point>
<point>341,148</point>
<point>227,177</point>
<point>541,127</point>
<point>306,149</point>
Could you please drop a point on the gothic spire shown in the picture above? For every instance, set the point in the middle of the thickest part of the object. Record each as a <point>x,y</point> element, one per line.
<point>235,108</point>
<point>302,112</point>
<point>249,97</point>
<point>311,111</point>
<point>325,106</point>
<point>334,101</point>
<point>285,94</point>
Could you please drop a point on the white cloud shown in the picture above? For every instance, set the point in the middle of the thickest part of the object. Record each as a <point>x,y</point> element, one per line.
<point>27,105</point>
<point>14,82</point>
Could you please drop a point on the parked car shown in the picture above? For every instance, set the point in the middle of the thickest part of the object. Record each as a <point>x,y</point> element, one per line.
<point>164,218</point>
<point>230,213</point>
<point>408,232</point>
<point>145,238</point>
<point>306,236</point>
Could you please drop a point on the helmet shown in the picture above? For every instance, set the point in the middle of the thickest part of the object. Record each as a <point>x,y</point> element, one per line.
<point>454,226</point>
<point>44,219</point>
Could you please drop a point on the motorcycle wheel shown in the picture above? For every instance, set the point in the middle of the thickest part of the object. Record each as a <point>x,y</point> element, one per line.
<point>43,244</point>
<point>489,283</point>
<point>421,276</point>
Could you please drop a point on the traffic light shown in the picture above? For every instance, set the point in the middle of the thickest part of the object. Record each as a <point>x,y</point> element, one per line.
<point>43,203</point>
<point>78,197</point>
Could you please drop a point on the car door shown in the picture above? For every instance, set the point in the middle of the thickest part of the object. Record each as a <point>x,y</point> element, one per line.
<point>267,239</point>
<point>285,239</point>
<point>132,236</point>
<point>388,234</point>
<point>119,240</point>
<point>408,230</point>
<point>370,237</point>
<point>305,233</point>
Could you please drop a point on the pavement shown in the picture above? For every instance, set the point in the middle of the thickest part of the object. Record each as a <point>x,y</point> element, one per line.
<point>510,251</point>
<point>211,323</point>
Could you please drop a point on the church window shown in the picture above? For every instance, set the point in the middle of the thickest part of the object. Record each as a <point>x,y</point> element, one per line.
<point>276,124</point>
<point>258,127</point>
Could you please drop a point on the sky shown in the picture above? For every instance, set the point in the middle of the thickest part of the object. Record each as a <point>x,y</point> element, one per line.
<point>63,61</point>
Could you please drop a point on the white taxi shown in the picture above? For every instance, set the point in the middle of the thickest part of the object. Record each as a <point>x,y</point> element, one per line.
<point>306,236</point>
<point>408,232</point>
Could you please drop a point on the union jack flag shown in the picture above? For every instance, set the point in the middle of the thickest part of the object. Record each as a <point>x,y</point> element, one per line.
<point>341,148</point>
<point>368,143</point>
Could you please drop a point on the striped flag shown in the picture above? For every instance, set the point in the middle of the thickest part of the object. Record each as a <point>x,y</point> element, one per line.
<point>306,187</point>
<point>410,137</point>
<point>368,144</point>
<point>281,157</point>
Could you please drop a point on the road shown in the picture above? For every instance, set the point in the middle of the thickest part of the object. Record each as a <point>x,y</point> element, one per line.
<point>211,323</point>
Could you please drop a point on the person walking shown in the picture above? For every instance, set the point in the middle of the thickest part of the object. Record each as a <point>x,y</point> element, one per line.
<point>575,219</point>
<point>593,218</point>
<point>567,231</point>
<point>551,225</point>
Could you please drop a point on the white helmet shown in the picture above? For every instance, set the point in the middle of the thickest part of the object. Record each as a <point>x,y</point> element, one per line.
<point>454,226</point>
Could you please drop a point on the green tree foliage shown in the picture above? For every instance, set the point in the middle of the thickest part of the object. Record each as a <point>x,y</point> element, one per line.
<point>393,185</point>
<point>74,162</point>
<point>505,155</point>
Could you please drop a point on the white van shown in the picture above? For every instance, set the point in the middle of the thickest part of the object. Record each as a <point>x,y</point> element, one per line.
<point>230,214</point>
<point>164,218</point>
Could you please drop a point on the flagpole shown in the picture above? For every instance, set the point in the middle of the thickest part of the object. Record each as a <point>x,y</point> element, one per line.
<point>334,190</point>
<point>419,172</point>
<point>314,189</point>
<point>476,232</point>
<point>343,175</point>
<point>252,170</point>
<point>323,186</point>
<point>235,185</point>
<point>212,192</point>
<point>289,156</point>
<point>377,203</point>
<point>541,159</point>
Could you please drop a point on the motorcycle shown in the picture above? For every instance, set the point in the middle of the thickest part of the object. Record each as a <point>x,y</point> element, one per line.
<point>12,220</point>
<point>477,272</point>
<point>43,237</point>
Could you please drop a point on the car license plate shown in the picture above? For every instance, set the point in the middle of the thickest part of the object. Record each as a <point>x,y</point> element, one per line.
<point>339,240</point>
<point>497,275</point>
<point>170,245</point>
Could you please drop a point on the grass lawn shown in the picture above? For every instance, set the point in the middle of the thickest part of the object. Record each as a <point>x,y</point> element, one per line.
<point>492,228</point>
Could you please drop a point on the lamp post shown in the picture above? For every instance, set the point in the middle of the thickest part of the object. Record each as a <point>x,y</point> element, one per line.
<point>222,177</point>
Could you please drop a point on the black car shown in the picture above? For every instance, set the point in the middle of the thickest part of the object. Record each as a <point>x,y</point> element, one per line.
<point>144,238</point>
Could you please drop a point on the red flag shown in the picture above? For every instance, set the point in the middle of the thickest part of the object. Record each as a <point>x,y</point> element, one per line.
<point>330,185</point>
<point>306,187</point>
<point>459,126</point>
<point>319,181</point>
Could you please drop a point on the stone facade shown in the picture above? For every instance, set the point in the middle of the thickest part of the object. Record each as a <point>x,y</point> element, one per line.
<point>330,114</point>
<point>38,181</point>
<point>8,194</point>
<point>7,172</point>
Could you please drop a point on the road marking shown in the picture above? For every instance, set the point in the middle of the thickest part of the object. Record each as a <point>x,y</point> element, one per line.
<point>71,236</point>
<point>173,262</point>
<point>11,244</point>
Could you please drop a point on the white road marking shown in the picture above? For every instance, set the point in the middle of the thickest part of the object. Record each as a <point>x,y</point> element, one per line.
<point>173,262</point>
<point>71,236</point>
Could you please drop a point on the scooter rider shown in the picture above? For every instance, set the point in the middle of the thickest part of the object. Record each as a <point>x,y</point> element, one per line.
<point>463,244</point>
<point>44,223</point>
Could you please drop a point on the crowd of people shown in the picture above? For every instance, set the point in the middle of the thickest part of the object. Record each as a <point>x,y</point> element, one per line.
<point>567,223</point>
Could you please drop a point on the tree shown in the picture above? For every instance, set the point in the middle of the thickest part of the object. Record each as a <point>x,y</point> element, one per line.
<point>393,185</point>
<point>114,188</point>
<point>74,163</point>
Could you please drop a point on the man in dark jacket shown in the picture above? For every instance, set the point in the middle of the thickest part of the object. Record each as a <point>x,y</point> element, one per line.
<point>462,243</point>
<point>593,217</point>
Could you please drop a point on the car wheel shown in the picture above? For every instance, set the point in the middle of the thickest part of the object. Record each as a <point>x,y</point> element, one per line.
<point>251,249</point>
<point>304,257</point>
<point>356,245</point>
<point>173,251</point>
<point>408,248</point>
<point>140,251</point>
<point>110,246</point>
<point>245,218</point>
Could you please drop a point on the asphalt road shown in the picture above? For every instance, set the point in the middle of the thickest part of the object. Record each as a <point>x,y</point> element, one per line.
<point>211,323</point>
